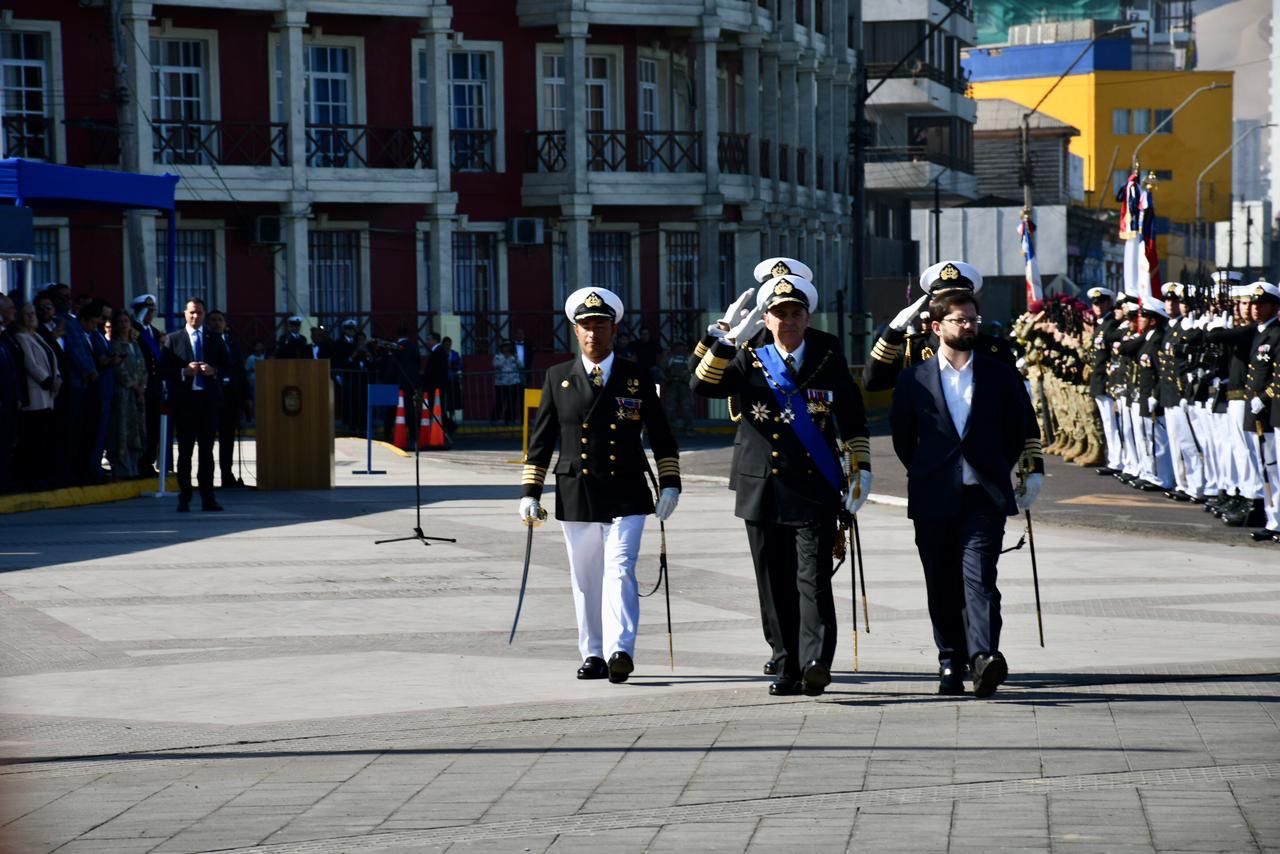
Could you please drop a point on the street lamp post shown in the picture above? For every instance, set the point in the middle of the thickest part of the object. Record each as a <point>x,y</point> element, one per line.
<point>1200,178</point>
<point>1174,112</point>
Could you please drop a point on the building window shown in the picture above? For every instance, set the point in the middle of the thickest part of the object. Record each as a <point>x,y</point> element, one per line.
<point>44,261</point>
<point>682,269</point>
<point>193,267</point>
<point>1140,121</point>
<point>329,105</point>
<point>552,92</point>
<point>24,96</point>
<point>728,267</point>
<point>470,114</point>
<point>1120,122</point>
<point>611,262</point>
<point>424,90</point>
<point>475,271</point>
<point>647,73</point>
<point>1164,121</point>
<point>178,101</point>
<point>334,275</point>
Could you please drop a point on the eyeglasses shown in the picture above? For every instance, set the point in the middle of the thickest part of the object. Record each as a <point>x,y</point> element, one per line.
<point>962,322</point>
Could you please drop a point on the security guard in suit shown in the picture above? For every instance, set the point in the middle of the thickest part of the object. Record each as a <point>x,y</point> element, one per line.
<point>800,412</point>
<point>896,349</point>
<point>595,407</point>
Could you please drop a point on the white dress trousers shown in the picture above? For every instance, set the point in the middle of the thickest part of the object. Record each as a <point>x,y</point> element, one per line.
<point>1188,474</point>
<point>1110,430</point>
<point>602,569</point>
<point>1244,452</point>
<point>1206,432</point>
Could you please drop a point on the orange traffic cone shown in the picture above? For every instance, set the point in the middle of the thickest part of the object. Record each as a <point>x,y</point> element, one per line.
<point>435,437</point>
<point>424,423</point>
<point>401,436</point>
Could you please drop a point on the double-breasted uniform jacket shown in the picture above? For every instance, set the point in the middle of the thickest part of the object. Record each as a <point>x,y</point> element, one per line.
<point>774,478</point>
<point>896,351</point>
<point>602,471</point>
<point>1235,343</point>
<point>1105,333</point>
<point>1144,350</point>
<point>1263,351</point>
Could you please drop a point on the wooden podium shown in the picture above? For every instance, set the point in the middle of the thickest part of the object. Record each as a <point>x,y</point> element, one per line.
<point>295,424</point>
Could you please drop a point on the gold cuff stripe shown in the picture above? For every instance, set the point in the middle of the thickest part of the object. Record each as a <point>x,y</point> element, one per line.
<point>534,475</point>
<point>883,349</point>
<point>709,373</point>
<point>700,350</point>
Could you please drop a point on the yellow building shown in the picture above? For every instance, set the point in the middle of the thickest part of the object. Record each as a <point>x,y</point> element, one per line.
<point>1114,110</point>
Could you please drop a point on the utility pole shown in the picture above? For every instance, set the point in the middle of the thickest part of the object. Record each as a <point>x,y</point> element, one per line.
<point>129,140</point>
<point>1248,241</point>
<point>937,218</point>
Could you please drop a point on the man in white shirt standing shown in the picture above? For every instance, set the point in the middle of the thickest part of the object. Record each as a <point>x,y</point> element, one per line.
<point>960,423</point>
<point>191,362</point>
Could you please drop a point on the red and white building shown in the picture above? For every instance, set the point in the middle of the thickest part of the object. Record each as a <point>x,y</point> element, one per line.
<point>459,167</point>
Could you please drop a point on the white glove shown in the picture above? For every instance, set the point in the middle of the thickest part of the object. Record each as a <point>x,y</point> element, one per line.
<point>747,326</point>
<point>1219,322</point>
<point>1213,384</point>
<point>1256,406</point>
<point>908,315</point>
<point>531,512</point>
<point>1152,403</point>
<point>667,501</point>
<point>1030,491</point>
<point>737,310</point>
<point>858,495</point>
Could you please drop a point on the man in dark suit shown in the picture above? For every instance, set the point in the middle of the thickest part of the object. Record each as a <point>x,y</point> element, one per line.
<point>144,312</point>
<point>192,362</point>
<point>800,413</point>
<point>960,423</point>
<point>234,385</point>
<point>595,408</point>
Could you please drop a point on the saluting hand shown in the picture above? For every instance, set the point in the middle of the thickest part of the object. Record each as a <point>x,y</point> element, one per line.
<point>905,317</point>
<point>732,315</point>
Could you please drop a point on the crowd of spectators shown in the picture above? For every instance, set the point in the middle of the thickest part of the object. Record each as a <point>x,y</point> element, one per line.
<point>80,385</point>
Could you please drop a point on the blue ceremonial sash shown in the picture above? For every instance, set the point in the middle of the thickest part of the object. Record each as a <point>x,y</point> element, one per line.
<point>782,384</point>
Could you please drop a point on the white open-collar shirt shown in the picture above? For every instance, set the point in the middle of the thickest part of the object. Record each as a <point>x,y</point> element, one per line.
<point>957,391</point>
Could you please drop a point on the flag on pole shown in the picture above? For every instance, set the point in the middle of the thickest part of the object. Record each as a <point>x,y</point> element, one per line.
<point>1026,228</point>
<point>1137,230</point>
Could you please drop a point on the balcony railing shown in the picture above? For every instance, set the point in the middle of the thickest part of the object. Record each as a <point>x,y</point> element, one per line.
<point>28,136</point>
<point>919,154</point>
<point>618,151</point>
<point>732,152</point>
<point>221,143</point>
<point>915,70</point>
<point>344,146</point>
<point>472,150</point>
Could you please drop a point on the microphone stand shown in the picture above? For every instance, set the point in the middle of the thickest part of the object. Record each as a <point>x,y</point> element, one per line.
<point>417,534</point>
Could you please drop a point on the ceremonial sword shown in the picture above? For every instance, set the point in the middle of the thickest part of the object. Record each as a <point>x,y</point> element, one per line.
<point>1262,458</point>
<point>1035,572</point>
<point>524,578</point>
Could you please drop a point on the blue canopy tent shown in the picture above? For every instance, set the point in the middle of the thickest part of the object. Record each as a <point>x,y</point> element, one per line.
<point>34,184</point>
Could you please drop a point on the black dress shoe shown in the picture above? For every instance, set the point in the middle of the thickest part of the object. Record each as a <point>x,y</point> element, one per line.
<point>593,668</point>
<point>989,672</point>
<point>1263,535</point>
<point>817,676</point>
<point>620,667</point>
<point>771,668</point>
<point>211,507</point>
<point>1146,486</point>
<point>785,687</point>
<point>1124,478</point>
<point>1104,471</point>
<point>950,681</point>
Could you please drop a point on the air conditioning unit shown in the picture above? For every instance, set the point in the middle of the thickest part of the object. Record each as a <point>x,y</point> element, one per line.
<point>524,231</point>
<point>268,230</point>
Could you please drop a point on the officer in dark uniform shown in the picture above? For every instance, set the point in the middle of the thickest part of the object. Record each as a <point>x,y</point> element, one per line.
<point>1106,331</point>
<point>1173,366</point>
<point>1264,300</point>
<point>1236,335</point>
<point>895,349</point>
<point>801,411</point>
<point>1151,441</point>
<point>292,345</point>
<point>595,407</point>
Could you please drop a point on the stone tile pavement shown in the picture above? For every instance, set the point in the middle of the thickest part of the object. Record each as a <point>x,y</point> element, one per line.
<point>268,680</point>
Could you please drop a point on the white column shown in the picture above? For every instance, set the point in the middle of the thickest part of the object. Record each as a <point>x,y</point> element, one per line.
<point>576,220</point>
<point>708,114</point>
<point>806,70</point>
<point>139,228</point>
<point>436,29</point>
<point>443,216</point>
<point>769,113</point>
<point>574,36</point>
<point>840,89</point>
<point>789,131</point>
<point>296,210</point>
<point>824,130</point>
<point>750,43</point>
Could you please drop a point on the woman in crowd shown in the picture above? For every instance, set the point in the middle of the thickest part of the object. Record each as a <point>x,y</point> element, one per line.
<point>36,429</point>
<point>507,382</point>
<point>128,416</point>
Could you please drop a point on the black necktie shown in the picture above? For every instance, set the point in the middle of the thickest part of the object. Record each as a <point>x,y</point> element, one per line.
<point>790,362</point>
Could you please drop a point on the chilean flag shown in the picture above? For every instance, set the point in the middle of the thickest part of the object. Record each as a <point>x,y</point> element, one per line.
<point>1026,228</point>
<point>1137,230</point>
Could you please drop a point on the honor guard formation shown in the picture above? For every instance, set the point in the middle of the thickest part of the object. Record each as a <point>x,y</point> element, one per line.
<point>963,426</point>
<point>1177,395</point>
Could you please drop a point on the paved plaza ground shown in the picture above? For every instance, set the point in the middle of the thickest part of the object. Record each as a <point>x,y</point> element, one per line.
<point>268,680</point>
